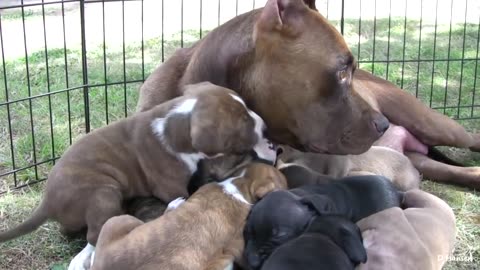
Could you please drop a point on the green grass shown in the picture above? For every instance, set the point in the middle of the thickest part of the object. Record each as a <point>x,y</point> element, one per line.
<point>46,248</point>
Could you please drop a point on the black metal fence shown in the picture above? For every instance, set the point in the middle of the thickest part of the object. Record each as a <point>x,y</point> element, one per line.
<point>74,65</point>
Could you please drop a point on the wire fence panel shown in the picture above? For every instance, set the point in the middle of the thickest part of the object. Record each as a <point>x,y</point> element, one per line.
<point>68,67</point>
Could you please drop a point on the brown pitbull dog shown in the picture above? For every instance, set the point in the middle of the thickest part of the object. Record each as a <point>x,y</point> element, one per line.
<point>421,237</point>
<point>295,70</point>
<point>204,232</point>
<point>153,153</point>
<point>377,160</point>
<point>290,66</point>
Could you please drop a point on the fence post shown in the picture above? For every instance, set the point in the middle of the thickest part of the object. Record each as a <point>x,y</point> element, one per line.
<point>84,67</point>
<point>342,19</point>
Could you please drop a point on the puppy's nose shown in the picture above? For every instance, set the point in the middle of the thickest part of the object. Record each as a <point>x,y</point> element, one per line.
<point>254,260</point>
<point>381,124</point>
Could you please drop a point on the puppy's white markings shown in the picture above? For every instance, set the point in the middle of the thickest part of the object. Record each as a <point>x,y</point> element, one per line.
<point>263,146</point>
<point>237,98</point>
<point>92,258</point>
<point>285,165</point>
<point>84,259</point>
<point>175,203</point>
<point>229,266</point>
<point>158,127</point>
<point>230,189</point>
<point>185,107</point>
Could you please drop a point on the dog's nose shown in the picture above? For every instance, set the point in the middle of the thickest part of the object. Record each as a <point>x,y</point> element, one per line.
<point>253,260</point>
<point>381,124</point>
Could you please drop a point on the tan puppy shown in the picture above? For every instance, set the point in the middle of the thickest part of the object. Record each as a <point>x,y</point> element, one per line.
<point>204,232</point>
<point>420,237</point>
<point>153,153</point>
<point>377,160</point>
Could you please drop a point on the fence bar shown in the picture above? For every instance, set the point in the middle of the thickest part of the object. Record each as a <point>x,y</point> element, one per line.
<point>48,82</point>
<point>404,42</point>
<point>476,65</point>
<point>434,51</point>
<point>374,35</point>
<point>9,117</point>
<point>359,30</point>
<point>448,56</point>
<point>163,38</point>
<point>342,18</point>
<point>201,9</point>
<point>419,47</point>
<point>462,63</point>
<point>105,79</point>
<point>67,84</point>
<point>86,98</point>
<point>181,23</point>
<point>34,150</point>
<point>22,5</point>
<point>388,38</point>
<point>65,90</point>
<point>143,43</point>
<point>124,62</point>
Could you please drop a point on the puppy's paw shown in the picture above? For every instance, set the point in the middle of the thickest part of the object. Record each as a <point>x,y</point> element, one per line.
<point>83,260</point>
<point>175,203</point>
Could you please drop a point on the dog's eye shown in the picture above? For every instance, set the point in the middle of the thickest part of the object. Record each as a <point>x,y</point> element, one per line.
<point>342,75</point>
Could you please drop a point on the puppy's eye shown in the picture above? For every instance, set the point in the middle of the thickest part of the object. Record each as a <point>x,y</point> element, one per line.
<point>342,75</point>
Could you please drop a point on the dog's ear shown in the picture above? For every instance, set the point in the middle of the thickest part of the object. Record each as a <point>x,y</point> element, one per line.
<point>310,4</point>
<point>352,244</point>
<point>321,204</point>
<point>279,13</point>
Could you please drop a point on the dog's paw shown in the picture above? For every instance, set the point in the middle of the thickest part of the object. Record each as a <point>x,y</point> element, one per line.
<point>229,266</point>
<point>175,203</point>
<point>83,260</point>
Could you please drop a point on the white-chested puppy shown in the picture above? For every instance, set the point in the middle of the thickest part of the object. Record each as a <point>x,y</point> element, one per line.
<point>151,153</point>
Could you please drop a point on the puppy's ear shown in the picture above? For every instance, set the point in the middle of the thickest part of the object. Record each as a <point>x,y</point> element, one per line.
<point>262,188</point>
<point>321,204</point>
<point>352,244</point>
<point>203,134</point>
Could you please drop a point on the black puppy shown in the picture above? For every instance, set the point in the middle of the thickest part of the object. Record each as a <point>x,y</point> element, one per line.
<point>329,242</point>
<point>277,218</point>
<point>354,197</point>
<point>281,216</point>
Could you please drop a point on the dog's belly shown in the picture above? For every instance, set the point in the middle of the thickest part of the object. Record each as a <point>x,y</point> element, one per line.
<point>401,140</point>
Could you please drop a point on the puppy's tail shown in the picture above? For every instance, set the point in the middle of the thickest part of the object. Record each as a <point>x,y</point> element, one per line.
<point>38,217</point>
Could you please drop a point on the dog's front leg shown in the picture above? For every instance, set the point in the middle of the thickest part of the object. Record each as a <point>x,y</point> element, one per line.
<point>401,108</point>
<point>441,172</point>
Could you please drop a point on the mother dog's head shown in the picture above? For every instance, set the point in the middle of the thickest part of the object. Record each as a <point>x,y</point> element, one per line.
<point>290,66</point>
<point>306,71</point>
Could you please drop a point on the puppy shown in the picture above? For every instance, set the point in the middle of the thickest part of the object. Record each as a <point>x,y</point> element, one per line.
<point>151,153</point>
<point>276,219</point>
<point>377,160</point>
<point>329,242</point>
<point>205,232</point>
<point>354,197</point>
<point>420,237</point>
<point>284,215</point>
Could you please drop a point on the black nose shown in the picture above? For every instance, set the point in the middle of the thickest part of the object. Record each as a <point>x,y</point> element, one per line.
<point>381,124</point>
<point>254,260</point>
